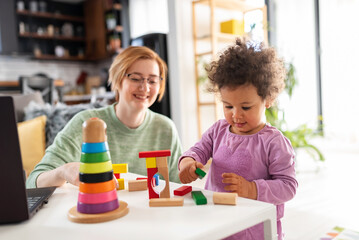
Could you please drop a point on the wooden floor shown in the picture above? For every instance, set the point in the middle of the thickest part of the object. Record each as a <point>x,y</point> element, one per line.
<point>328,193</point>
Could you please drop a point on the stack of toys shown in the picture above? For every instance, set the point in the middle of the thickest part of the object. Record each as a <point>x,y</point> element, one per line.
<point>97,193</point>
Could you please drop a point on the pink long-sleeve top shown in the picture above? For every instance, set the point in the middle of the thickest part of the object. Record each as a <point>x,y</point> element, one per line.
<point>266,157</point>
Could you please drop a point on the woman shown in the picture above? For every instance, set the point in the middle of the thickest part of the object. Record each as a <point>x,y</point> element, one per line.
<point>137,76</point>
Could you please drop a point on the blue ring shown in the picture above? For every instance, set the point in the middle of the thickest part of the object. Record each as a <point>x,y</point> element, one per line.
<point>94,147</point>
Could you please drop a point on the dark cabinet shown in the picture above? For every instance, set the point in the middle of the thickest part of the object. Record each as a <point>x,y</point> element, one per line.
<point>8,28</point>
<point>53,30</point>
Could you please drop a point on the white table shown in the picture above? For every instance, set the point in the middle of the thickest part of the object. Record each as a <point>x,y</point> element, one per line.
<point>190,221</point>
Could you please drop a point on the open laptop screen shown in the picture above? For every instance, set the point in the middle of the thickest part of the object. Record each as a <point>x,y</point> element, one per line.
<point>14,196</point>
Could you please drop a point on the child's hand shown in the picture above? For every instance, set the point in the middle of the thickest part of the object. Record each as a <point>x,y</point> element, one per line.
<point>240,185</point>
<point>188,167</point>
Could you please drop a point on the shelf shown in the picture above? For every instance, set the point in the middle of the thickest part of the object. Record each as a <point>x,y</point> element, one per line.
<point>50,16</point>
<point>210,42</point>
<point>47,37</point>
<point>221,37</point>
<point>232,5</point>
<point>53,57</point>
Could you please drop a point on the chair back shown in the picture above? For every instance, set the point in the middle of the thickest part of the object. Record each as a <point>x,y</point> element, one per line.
<point>38,82</point>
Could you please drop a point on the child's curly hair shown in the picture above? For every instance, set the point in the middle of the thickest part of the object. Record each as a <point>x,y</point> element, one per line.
<point>245,63</point>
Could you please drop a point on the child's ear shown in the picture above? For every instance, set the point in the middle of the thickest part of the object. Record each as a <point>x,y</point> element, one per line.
<point>268,103</point>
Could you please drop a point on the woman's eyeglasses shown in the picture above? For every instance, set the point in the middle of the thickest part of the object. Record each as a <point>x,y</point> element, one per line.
<point>153,81</point>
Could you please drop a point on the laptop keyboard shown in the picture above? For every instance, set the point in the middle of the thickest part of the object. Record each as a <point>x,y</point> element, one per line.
<point>31,201</point>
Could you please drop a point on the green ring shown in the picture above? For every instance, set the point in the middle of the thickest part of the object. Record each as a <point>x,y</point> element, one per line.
<point>95,157</point>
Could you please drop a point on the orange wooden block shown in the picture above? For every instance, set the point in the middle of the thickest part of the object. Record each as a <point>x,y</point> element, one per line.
<point>137,185</point>
<point>165,202</point>
<point>225,198</point>
<point>94,131</point>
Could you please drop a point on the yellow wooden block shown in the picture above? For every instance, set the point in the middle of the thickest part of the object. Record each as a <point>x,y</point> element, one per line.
<point>151,162</point>
<point>121,184</point>
<point>233,27</point>
<point>120,168</point>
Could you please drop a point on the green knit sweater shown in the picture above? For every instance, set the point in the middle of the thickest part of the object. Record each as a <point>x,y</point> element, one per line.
<point>157,132</point>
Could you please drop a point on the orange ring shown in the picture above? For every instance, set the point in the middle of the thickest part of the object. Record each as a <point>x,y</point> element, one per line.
<point>97,187</point>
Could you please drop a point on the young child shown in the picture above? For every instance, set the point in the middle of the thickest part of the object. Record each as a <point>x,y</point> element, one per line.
<point>249,156</point>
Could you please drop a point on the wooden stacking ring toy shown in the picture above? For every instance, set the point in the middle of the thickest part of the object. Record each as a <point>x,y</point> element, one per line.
<point>92,198</point>
<point>96,177</point>
<point>94,147</point>
<point>96,167</point>
<point>95,157</point>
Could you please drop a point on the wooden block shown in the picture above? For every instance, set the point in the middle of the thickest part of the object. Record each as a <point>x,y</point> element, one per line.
<point>156,180</point>
<point>141,178</point>
<point>161,162</point>
<point>225,198</point>
<point>165,193</point>
<point>199,198</point>
<point>121,184</point>
<point>94,131</point>
<point>137,185</point>
<point>151,192</point>
<point>165,202</point>
<point>117,175</point>
<point>151,162</point>
<point>200,173</point>
<point>120,168</point>
<point>181,191</point>
<point>160,153</point>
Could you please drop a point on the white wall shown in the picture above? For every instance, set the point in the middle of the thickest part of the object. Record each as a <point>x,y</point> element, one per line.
<point>295,35</point>
<point>339,40</point>
<point>339,37</point>
<point>148,17</point>
<point>183,102</point>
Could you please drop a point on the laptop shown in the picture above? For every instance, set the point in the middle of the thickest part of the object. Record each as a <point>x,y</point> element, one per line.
<point>16,202</point>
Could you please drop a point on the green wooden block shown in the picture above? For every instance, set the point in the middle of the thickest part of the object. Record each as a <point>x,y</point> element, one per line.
<point>200,173</point>
<point>199,198</point>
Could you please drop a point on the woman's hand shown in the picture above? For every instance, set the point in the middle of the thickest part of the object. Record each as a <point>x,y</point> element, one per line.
<point>188,167</point>
<point>240,185</point>
<point>70,173</point>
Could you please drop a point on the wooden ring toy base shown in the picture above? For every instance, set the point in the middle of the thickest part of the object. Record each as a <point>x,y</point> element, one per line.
<point>74,216</point>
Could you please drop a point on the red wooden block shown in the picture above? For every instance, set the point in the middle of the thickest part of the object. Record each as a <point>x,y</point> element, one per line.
<point>182,190</point>
<point>141,178</point>
<point>117,175</point>
<point>160,153</point>
<point>150,173</point>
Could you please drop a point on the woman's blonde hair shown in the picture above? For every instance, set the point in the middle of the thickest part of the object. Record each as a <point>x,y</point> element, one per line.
<point>124,61</point>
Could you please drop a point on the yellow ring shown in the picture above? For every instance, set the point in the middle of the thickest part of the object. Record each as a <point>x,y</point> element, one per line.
<point>96,167</point>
